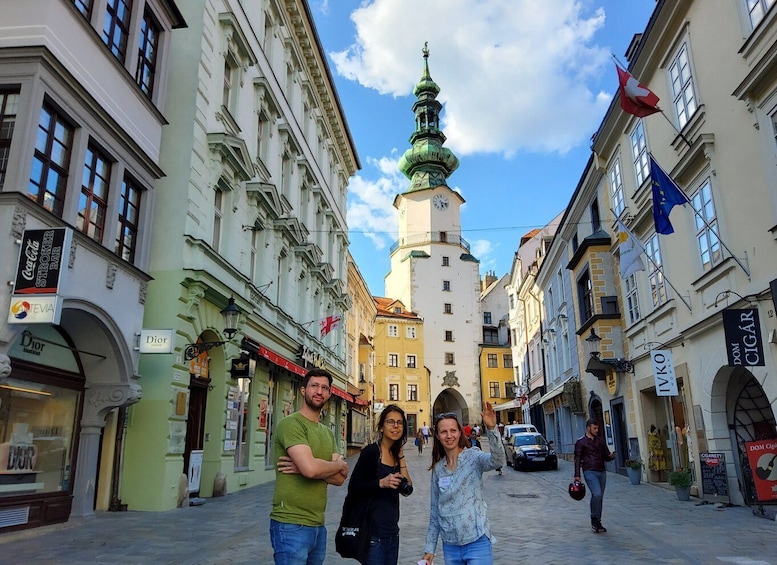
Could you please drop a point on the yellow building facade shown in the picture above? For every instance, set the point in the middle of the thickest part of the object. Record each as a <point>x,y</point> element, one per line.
<point>400,375</point>
<point>497,376</point>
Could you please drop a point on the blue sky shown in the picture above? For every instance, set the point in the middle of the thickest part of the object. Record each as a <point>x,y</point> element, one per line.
<point>524,83</point>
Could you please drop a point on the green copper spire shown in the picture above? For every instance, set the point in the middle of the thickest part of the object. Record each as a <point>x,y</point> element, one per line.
<point>427,163</point>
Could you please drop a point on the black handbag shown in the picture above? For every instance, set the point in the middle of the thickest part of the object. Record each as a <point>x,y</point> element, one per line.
<point>352,540</point>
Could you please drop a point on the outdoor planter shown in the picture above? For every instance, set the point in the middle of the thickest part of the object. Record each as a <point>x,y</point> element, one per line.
<point>635,475</point>
<point>683,493</point>
<point>681,481</point>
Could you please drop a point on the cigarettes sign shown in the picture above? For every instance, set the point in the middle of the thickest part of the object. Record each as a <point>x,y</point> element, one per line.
<point>762,456</point>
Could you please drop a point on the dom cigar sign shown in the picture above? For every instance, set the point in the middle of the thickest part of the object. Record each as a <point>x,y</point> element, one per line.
<point>743,338</point>
<point>38,277</point>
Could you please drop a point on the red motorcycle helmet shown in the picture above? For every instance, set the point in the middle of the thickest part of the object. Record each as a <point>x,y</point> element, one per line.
<point>577,490</point>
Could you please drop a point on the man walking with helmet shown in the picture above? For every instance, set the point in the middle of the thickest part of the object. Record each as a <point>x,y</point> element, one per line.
<point>591,453</point>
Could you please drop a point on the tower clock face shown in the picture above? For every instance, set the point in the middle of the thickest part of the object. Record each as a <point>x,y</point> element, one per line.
<point>440,201</point>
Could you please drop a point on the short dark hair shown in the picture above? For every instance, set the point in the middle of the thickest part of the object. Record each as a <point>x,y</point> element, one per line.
<point>591,422</point>
<point>316,373</point>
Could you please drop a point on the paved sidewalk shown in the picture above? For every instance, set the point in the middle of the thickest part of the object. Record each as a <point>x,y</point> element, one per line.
<point>533,519</point>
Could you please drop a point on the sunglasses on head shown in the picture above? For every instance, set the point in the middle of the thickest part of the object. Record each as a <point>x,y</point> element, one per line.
<point>445,416</point>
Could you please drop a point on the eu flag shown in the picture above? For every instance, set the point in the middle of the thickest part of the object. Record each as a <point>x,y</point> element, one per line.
<point>666,194</point>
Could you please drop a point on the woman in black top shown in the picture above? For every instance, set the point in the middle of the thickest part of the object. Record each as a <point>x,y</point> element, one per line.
<point>378,479</point>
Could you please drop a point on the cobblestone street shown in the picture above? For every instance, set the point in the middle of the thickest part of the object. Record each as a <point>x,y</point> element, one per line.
<point>533,519</point>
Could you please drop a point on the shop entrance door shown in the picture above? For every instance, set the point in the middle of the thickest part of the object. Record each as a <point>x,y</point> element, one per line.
<point>195,424</point>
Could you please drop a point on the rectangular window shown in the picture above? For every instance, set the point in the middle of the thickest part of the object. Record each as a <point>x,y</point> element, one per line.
<point>392,330</point>
<point>410,361</point>
<point>410,332</point>
<point>757,9</point>
<point>596,218</point>
<point>507,360</point>
<point>492,361</point>
<point>93,202</point>
<point>51,162</point>
<point>37,426</point>
<point>393,360</point>
<point>448,335</point>
<point>116,27</point>
<point>243,424</point>
<point>655,275</point>
<point>446,286</point>
<point>490,335</point>
<point>640,153</point>
<point>450,359</point>
<point>446,261</point>
<point>616,188</point>
<point>218,215</point>
<point>412,392</point>
<point>129,218</point>
<point>147,53</point>
<point>84,6</point>
<point>8,104</point>
<point>632,298</point>
<point>585,297</point>
<point>709,244</point>
<point>682,86</point>
<point>393,391</point>
<point>229,77</point>
<point>448,308</point>
<point>262,136</point>
<point>487,318</point>
<point>443,237</point>
<point>493,389</point>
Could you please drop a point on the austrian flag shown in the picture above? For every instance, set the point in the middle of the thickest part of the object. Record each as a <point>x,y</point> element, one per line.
<point>328,324</point>
<point>636,99</point>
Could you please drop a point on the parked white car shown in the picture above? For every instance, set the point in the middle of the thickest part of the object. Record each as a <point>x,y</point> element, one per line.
<point>512,429</point>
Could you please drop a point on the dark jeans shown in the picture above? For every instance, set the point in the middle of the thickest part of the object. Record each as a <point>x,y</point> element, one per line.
<point>383,551</point>
<point>596,481</point>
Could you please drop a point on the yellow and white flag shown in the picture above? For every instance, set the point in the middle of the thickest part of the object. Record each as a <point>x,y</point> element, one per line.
<point>631,252</point>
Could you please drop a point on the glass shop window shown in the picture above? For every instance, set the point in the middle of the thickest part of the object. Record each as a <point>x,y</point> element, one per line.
<point>36,437</point>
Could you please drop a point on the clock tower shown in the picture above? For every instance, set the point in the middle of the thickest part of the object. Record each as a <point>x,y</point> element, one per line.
<point>432,270</point>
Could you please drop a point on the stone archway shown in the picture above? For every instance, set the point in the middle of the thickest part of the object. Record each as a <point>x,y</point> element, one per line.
<point>451,400</point>
<point>739,404</point>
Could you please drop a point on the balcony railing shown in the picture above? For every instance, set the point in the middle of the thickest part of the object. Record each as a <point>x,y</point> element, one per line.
<point>433,237</point>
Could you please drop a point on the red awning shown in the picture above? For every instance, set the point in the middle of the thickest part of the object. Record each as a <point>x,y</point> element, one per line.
<point>359,401</point>
<point>341,393</point>
<point>280,361</point>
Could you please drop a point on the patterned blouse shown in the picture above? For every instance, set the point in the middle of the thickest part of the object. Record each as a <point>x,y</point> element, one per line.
<point>458,511</point>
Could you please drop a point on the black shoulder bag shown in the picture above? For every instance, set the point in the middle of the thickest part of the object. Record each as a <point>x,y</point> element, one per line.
<point>352,539</point>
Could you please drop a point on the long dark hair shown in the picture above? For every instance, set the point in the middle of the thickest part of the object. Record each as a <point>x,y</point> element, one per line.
<point>438,451</point>
<point>397,445</point>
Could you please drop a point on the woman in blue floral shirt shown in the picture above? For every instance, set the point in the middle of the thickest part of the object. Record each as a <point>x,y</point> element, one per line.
<point>458,511</point>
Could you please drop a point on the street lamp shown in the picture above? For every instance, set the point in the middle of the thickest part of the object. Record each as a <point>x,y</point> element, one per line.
<point>231,315</point>
<point>598,366</point>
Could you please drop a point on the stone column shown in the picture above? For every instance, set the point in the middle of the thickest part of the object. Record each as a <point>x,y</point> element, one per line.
<point>98,401</point>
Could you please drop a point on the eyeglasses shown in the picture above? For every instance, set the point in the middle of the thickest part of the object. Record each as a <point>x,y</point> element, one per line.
<point>396,423</point>
<point>316,386</point>
<point>445,416</point>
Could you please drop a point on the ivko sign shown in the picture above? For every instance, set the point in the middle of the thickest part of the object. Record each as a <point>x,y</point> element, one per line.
<point>743,338</point>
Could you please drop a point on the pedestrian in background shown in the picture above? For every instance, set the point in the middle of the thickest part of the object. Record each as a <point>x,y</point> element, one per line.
<point>379,477</point>
<point>419,441</point>
<point>425,430</point>
<point>591,453</point>
<point>458,511</point>
<point>307,461</point>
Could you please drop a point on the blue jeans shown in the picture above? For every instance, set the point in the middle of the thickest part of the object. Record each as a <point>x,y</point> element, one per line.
<point>383,551</point>
<point>476,553</point>
<point>297,545</point>
<point>596,481</point>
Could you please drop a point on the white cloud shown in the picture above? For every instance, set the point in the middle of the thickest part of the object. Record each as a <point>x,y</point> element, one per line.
<point>513,74</point>
<point>484,251</point>
<point>370,203</point>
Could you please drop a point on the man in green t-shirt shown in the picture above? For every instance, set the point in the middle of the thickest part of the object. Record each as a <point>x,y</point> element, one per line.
<point>307,461</point>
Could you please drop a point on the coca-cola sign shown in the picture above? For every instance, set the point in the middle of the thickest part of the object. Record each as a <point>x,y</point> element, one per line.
<point>40,261</point>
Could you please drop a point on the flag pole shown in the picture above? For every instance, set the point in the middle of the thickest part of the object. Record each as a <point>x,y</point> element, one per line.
<point>671,123</point>
<point>709,227</point>
<point>658,267</point>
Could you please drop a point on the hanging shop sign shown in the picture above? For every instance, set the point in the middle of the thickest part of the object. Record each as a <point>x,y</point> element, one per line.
<point>663,372</point>
<point>762,456</point>
<point>155,341</point>
<point>744,344</point>
<point>309,358</point>
<point>35,298</point>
